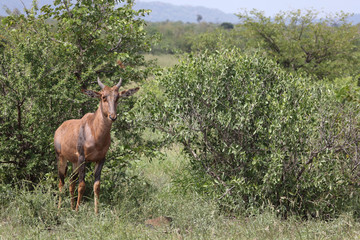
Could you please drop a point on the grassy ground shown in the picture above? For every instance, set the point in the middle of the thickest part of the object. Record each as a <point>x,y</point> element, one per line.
<point>164,60</point>
<point>34,215</point>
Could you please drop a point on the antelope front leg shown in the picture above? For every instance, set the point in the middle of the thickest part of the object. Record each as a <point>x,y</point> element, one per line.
<point>98,168</point>
<point>81,189</point>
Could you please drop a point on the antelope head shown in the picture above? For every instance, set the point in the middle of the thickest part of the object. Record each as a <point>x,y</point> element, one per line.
<point>109,97</point>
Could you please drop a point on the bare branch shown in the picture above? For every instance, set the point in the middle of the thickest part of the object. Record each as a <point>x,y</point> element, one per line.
<point>67,8</point>
<point>116,47</point>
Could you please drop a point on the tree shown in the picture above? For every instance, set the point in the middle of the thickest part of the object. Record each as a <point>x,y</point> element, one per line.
<point>227,25</point>
<point>32,66</point>
<point>258,136</point>
<point>177,36</point>
<point>218,39</point>
<point>324,47</point>
<point>100,35</point>
<point>199,18</point>
<point>43,66</point>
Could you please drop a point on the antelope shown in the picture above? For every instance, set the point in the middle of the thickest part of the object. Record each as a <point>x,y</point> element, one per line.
<point>87,140</point>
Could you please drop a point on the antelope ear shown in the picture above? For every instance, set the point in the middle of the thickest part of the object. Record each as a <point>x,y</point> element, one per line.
<point>129,92</point>
<point>91,93</point>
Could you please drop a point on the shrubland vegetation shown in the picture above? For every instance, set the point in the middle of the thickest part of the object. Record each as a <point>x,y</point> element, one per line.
<point>253,133</point>
<point>304,41</point>
<point>45,66</point>
<point>264,137</point>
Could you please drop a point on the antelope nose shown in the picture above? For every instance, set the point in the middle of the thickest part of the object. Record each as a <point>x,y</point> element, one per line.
<point>113,118</point>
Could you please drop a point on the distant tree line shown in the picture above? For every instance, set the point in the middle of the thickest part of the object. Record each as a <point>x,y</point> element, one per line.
<point>325,47</point>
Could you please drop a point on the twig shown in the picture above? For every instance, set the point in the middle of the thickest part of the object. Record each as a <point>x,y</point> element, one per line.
<point>226,192</point>
<point>67,8</point>
<point>116,47</point>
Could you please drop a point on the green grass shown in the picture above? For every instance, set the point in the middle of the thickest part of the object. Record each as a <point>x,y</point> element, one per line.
<point>163,60</point>
<point>26,214</point>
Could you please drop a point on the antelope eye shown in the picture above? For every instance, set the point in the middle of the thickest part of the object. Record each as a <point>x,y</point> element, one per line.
<point>104,98</point>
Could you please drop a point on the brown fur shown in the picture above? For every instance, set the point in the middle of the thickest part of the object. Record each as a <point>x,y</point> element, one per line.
<point>87,140</point>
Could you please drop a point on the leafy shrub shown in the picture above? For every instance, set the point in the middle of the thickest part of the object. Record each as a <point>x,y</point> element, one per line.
<point>265,138</point>
<point>44,66</point>
<point>323,46</point>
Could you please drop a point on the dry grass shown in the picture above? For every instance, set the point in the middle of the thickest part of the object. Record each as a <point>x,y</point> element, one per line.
<point>33,215</point>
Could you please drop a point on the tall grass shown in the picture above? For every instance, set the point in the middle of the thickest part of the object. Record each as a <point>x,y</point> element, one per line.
<point>33,214</point>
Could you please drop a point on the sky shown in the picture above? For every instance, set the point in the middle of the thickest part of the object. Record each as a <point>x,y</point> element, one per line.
<point>271,7</point>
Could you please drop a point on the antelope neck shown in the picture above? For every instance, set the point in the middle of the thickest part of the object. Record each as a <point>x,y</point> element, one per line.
<point>102,124</point>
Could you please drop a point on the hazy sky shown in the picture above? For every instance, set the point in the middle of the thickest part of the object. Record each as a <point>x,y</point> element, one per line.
<point>270,7</point>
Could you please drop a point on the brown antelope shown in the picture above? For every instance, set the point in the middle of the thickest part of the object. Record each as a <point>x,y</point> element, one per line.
<point>87,140</point>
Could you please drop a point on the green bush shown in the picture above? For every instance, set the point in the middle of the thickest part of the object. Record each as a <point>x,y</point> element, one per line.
<point>264,138</point>
<point>326,47</point>
<point>44,66</point>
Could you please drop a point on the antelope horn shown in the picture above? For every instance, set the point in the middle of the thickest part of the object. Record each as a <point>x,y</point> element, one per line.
<point>119,83</point>
<point>100,83</point>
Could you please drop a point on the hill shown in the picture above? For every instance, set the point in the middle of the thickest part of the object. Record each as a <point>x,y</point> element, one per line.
<point>355,19</point>
<point>160,12</point>
<point>169,12</point>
